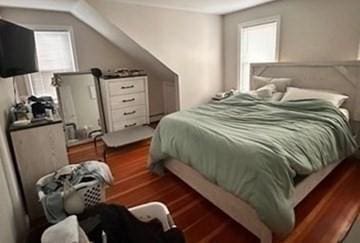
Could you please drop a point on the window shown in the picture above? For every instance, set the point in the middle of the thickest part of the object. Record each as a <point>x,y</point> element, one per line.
<point>259,42</point>
<point>55,54</point>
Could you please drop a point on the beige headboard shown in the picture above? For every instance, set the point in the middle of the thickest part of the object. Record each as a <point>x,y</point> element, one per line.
<point>342,77</point>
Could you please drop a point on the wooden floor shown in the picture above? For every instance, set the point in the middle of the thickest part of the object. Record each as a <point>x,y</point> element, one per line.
<point>324,216</point>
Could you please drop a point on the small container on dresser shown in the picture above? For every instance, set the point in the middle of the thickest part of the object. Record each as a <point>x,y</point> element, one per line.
<point>125,101</point>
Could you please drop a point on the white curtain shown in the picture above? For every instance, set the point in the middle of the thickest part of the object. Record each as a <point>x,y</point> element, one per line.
<point>258,44</point>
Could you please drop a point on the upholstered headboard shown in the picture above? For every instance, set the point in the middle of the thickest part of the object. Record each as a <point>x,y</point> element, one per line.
<point>342,77</point>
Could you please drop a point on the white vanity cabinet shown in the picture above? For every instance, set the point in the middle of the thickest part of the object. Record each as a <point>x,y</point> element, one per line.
<point>39,149</point>
<point>125,101</point>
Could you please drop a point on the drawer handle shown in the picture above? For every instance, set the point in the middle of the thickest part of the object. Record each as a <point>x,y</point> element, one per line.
<point>130,125</point>
<point>129,113</point>
<point>129,100</point>
<point>128,87</point>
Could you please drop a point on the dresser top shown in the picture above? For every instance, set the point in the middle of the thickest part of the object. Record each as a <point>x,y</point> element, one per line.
<point>41,123</point>
<point>106,77</point>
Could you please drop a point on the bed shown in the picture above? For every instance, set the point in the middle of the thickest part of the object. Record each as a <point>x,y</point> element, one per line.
<point>242,204</point>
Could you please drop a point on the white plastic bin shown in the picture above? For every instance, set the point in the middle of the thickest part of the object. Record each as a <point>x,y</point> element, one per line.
<point>152,210</point>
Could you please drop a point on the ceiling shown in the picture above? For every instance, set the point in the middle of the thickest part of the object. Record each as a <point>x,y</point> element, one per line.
<point>202,6</point>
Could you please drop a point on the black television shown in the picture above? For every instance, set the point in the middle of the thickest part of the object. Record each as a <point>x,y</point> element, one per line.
<point>17,50</point>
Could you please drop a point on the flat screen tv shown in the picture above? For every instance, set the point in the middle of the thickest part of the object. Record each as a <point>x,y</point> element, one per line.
<point>17,50</point>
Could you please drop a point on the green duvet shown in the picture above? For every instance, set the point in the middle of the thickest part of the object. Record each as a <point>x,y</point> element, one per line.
<point>255,148</point>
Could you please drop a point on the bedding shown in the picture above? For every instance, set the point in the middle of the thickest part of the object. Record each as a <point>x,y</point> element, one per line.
<point>293,93</point>
<point>346,113</point>
<point>254,148</point>
<point>280,83</point>
<point>277,96</point>
<point>265,92</point>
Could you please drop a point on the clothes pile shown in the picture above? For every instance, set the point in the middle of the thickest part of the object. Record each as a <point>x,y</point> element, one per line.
<point>111,224</point>
<point>62,197</point>
<point>120,226</point>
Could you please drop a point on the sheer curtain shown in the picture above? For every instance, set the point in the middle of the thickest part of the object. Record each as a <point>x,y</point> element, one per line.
<point>258,44</point>
<point>55,54</point>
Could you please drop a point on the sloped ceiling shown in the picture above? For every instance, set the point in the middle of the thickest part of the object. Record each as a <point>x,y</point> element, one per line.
<point>86,13</point>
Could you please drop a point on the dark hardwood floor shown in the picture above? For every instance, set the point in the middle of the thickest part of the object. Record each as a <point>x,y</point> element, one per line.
<point>324,216</point>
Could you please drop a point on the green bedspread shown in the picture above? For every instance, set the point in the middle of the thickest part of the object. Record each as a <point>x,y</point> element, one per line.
<point>255,148</point>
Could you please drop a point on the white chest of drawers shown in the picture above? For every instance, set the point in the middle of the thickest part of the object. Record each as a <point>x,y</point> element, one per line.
<point>125,101</point>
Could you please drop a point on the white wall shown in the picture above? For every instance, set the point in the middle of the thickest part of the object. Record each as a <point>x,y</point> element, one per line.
<point>188,43</point>
<point>92,49</point>
<point>311,30</point>
<point>12,215</point>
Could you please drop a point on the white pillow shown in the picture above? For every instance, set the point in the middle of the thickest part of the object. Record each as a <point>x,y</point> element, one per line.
<point>345,112</point>
<point>280,83</point>
<point>266,92</point>
<point>293,93</point>
<point>277,96</point>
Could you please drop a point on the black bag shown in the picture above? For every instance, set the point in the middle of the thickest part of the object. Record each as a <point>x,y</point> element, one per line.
<point>121,226</point>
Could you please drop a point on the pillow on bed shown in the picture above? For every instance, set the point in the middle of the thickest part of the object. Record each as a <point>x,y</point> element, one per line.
<point>265,92</point>
<point>277,96</point>
<point>280,83</point>
<point>345,112</point>
<point>293,93</point>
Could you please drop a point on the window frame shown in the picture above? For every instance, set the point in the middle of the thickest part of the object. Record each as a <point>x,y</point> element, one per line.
<point>273,19</point>
<point>54,28</point>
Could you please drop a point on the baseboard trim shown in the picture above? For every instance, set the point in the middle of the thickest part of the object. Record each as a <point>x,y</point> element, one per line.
<point>156,117</point>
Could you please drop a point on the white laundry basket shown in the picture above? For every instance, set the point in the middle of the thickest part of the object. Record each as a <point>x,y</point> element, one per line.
<point>152,210</point>
<point>91,193</point>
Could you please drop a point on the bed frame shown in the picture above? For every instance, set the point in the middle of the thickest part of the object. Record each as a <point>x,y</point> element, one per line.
<point>342,77</point>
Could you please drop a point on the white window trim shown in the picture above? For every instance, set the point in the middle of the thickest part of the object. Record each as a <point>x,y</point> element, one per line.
<point>253,23</point>
<point>60,28</point>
